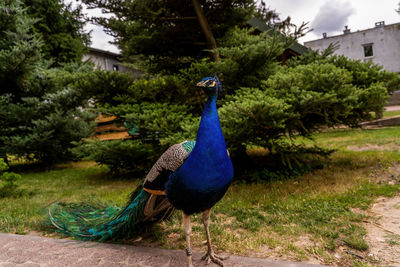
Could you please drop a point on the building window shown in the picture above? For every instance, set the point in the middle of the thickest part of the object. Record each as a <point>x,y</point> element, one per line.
<point>115,67</point>
<point>368,51</point>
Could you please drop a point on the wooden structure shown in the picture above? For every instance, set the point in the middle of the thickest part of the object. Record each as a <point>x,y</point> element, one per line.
<point>110,128</point>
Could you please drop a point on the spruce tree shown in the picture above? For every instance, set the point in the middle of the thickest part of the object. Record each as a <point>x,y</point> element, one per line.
<point>171,34</point>
<point>61,28</point>
<point>39,113</point>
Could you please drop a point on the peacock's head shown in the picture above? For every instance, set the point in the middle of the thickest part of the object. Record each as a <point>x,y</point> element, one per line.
<point>210,85</point>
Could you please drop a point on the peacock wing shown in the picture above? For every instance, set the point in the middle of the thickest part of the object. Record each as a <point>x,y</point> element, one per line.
<point>169,162</point>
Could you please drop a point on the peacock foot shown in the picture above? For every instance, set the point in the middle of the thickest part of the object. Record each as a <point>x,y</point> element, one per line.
<point>210,256</point>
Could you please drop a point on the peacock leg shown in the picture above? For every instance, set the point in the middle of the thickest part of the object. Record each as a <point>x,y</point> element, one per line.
<point>210,255</point>
<point>188,230</point>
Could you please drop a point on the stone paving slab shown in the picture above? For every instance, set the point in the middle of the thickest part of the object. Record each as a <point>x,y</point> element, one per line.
<point>22,250</point>
<point>392,108</point>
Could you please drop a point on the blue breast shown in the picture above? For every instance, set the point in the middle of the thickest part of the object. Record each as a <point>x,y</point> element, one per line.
<point>207,173</point>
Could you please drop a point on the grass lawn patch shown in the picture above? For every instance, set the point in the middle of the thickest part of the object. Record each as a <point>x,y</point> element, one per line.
<point>384,139</point>
<point>69,183</point>
<point>387,114</point>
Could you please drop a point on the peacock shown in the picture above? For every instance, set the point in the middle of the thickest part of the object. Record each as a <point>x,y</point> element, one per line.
<point>191,176</point>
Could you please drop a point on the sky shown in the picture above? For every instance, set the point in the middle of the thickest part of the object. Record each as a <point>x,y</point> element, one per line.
<point>328,16</point>
<point>331,16</point>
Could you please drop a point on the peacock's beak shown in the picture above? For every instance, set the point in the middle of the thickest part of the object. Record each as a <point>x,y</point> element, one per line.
<point>201,84</point>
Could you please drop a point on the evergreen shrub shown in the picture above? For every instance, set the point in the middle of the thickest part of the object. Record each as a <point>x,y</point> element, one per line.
<point>263,104</point>
<point>8,187</point>
<point>118,155</point>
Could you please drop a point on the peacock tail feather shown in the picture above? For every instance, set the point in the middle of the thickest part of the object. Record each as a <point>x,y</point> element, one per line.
<point>98,221</point>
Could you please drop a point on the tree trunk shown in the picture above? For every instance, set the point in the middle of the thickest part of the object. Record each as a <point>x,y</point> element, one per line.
<point>206,29</point>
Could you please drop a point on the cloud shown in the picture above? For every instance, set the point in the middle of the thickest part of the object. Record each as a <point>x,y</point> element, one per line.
<point>100,39</point>
<point>288,8</point>
<point>332,16</point>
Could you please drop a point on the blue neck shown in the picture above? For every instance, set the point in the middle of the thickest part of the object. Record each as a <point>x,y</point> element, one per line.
<point>211,105</point>
<point>210,132</point>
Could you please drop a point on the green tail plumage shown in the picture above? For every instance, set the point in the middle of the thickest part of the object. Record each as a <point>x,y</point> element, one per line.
<point>96,221</point>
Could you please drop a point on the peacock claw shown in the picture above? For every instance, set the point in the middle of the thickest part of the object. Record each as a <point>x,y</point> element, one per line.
<point>210,256</point>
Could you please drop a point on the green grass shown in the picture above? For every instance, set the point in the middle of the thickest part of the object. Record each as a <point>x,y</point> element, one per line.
<point>392,239</point>
<point>26,213</point>
<point>371,139</point>
<point>307,217</point>
<point>387,114</point>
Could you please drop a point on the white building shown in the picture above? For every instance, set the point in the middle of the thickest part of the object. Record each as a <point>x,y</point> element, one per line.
<point>106,60</point>
<point>380,45</point>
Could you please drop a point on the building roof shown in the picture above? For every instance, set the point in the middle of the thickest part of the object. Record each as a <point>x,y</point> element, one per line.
<point>103,52</point>
<point>261,26</point>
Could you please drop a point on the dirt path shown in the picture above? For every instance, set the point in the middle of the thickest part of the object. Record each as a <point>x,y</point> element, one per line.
<point>383,236</point>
